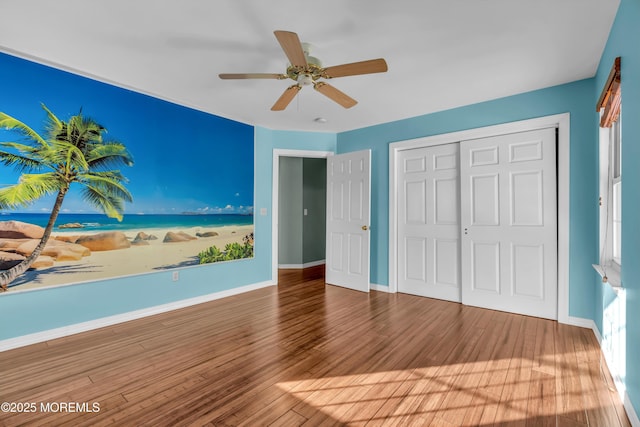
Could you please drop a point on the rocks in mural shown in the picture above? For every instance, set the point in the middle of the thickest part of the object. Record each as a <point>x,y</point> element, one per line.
<point>56,249</point>
<point>106,241</point>
<point>71,225</point>
<point>144,236</point>
<point>207,234</point>
<point>16,250</point>
<point>20,230</point>
<point>186,235</point>
<point>42,261</point>
<point>9,259</point>
<point>67,238</point>
<point>10,245</point>
<point>180,236</point>
<point>142,239</point>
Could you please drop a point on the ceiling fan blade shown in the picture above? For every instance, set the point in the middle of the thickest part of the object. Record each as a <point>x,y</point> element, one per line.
<point>251,76</point>
<point>292,47</point>
<point>364,67</point>
<point>286,98</point>
<point>335,95</point>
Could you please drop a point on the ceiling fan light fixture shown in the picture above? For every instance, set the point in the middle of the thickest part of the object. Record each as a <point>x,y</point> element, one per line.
<point>305,80</point>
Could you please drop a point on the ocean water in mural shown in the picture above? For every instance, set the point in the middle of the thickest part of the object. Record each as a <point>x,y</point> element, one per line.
<point>188,197</point>
<point>99,222</point>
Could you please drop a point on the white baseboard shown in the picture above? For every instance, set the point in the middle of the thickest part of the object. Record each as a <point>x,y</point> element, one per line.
<point>379,288</point>
<point>620,387</point>
<point>631,412</point>
<point>64,331</point>
<point>299,266</point>
<point>583,323</point>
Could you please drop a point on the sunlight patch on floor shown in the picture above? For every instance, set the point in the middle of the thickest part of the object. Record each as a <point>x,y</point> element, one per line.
<point>461,394</point>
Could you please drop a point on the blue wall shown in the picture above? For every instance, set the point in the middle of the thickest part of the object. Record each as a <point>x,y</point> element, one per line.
<point>575,98</point>
<point>623,42</point>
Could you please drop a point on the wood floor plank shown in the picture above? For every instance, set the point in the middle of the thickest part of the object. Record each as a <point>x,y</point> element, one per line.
<point>306,353</point>
<point>541,403</point>
<point>569,392</point>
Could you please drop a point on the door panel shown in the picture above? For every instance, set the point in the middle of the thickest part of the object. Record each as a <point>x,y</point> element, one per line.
<point>446,208</point>
<point>415,204</point>
<point>485,200</point>
<point>446,262</point>
<point>526,198</point>
<point>485,267</point>
<point>415,261</point>
<point>336,247</point>
<point>509,223</point>
<point>348,219</point>
<point>428,217</point>
<point>527,270</point>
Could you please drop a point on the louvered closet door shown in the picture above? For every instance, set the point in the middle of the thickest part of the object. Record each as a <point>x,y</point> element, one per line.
<point>428,222</point>
<point>509,223</point>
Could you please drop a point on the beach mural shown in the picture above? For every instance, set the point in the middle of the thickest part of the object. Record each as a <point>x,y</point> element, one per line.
<point>98,182</point>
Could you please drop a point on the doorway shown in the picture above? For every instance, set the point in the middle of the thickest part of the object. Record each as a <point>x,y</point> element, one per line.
<point>302,207</point>
<point>292,209</point>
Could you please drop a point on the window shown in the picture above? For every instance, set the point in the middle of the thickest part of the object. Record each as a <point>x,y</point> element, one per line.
<point>610,106</point>
<point>616,191</point>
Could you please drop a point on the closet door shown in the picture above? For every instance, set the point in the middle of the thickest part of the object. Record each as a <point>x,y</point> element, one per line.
<point>509,223</point>
<point>428,222</point>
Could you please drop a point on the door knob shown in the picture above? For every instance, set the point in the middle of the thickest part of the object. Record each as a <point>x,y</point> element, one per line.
<point>365,228</point>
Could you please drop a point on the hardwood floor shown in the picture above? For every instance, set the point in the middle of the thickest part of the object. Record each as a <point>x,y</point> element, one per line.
<point>304,353</point>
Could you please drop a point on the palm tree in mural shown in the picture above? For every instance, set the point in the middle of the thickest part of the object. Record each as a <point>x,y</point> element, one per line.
<point>71,152</point>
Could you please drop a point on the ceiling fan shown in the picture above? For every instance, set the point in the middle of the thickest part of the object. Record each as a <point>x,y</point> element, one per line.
<point>306,70</point>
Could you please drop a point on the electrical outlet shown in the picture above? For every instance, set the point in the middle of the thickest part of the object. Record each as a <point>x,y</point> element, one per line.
<point>175,276</point>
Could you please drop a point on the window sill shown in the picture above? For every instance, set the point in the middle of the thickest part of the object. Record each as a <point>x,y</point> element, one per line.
<point>612,278</point>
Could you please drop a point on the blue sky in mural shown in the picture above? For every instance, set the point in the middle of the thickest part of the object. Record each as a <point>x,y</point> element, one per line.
<point>185,160</point>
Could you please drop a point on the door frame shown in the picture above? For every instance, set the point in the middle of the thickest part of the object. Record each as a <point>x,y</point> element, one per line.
<point>560,122</point>
<point>275,197</point>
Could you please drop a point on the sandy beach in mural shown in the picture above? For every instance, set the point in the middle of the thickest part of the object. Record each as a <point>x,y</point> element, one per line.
<point>152,256</point>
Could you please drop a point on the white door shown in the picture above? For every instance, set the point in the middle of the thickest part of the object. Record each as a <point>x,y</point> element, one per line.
<point>348,219</point>
<point>428,222</point>
<point>509,223</point>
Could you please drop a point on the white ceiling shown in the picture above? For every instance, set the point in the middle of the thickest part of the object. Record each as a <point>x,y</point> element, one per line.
<point>441,54</point>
